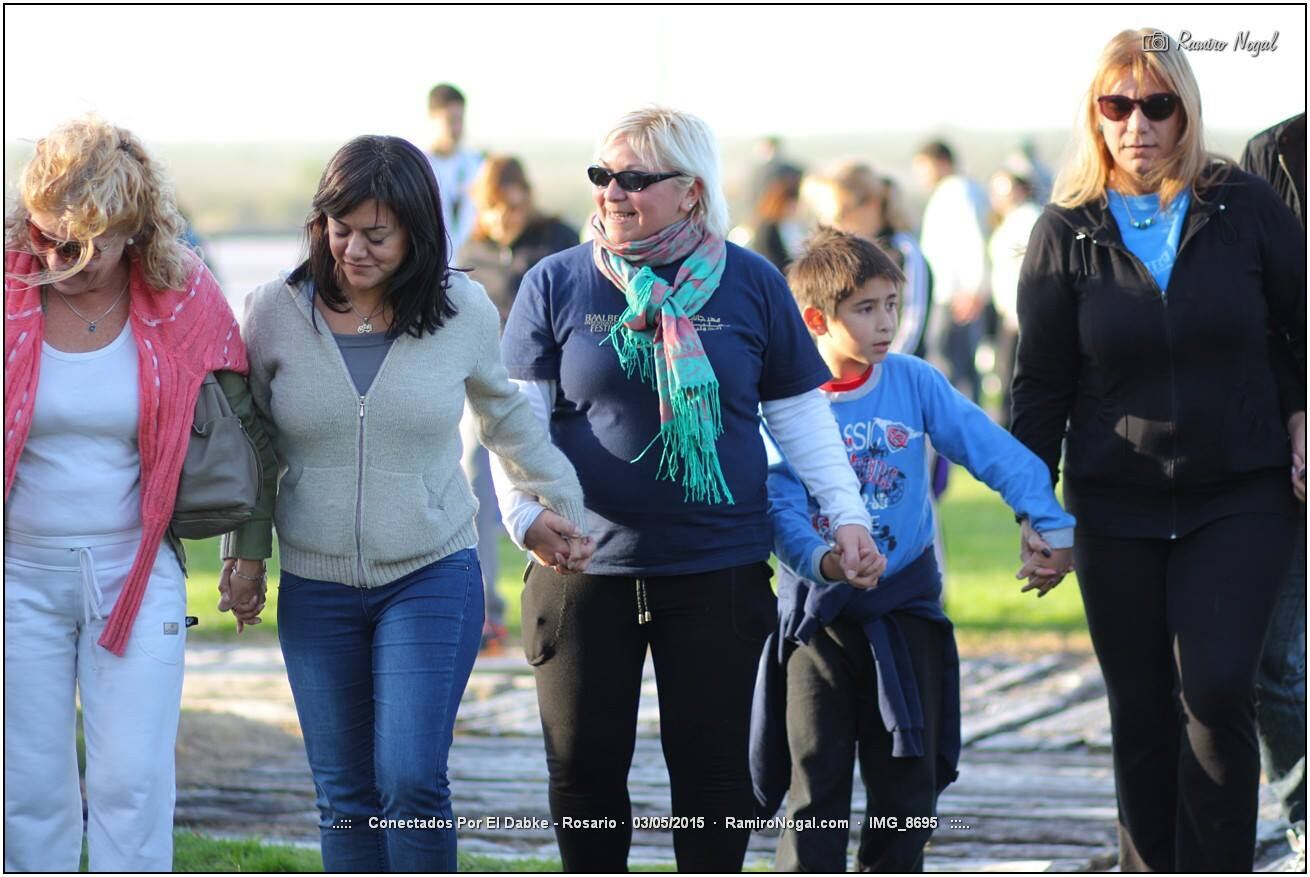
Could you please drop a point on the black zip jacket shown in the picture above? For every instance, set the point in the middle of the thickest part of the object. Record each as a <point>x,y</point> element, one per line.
<point>1277,155</point>
<point>1174,407</point>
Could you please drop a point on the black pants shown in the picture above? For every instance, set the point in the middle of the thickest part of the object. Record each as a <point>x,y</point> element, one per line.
<point>705,634</point>
<point>1178,627</point>
<point>832,710</point>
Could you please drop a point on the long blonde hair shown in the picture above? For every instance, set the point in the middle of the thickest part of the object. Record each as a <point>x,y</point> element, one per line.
<point>98,178</point>
<point>1087,175</point>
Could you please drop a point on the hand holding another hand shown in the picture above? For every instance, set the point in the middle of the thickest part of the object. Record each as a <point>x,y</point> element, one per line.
<point>242,588</point>
<point>861,563</point>
<point>557,542</point>
<point>1043,566</point>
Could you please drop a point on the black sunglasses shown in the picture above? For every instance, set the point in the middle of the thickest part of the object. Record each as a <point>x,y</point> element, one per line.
<point>69,251</point>
<point>629,181</point>
<point>1156,107</point>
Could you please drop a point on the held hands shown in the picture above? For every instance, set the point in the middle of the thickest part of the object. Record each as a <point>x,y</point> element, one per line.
<point>557,542</point>
<point>854,558</point>
<point>1043,566</point>
<point>1296,431</point>
<point>242,593</point>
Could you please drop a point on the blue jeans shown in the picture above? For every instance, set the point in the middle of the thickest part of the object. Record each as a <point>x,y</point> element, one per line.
<point>377,675</point>
<point>1280,689</point>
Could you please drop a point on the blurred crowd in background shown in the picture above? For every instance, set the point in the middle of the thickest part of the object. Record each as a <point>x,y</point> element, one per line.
<point>961,254</point>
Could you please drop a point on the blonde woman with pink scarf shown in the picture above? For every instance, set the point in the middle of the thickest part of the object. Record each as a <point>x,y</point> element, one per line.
<point>111,325</point>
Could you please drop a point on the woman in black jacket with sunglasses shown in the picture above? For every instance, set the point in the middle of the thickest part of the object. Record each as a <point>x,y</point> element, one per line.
<point>1162,314</point>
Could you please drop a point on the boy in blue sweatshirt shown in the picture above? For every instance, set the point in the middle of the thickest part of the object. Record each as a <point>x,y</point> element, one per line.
<point>876,671</point>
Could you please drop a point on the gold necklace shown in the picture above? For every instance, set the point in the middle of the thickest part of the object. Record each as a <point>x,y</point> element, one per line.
<point>91,324</point>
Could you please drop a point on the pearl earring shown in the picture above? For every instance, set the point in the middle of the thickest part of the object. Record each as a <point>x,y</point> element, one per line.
<point>131,241</point>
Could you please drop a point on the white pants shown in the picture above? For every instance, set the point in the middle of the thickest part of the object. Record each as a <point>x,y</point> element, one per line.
<point>58,594</point>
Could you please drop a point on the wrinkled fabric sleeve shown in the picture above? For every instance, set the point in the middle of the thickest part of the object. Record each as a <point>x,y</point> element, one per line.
<point>253,539</point>
<point>1046,371</point>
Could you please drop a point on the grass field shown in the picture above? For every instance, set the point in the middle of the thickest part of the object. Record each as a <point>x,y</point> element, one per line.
<point>982,595</point>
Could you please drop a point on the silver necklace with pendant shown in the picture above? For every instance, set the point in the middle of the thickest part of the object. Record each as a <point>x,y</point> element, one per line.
<point>91,324</point>
<point>366,327</point>
<point>1144,223</point>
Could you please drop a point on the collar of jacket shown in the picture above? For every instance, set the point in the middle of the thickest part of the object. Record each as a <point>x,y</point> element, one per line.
<point>1292,134</point>
<point>1094,219</point>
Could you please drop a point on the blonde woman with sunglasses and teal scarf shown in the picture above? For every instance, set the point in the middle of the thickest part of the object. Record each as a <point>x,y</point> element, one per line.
<point>651,351</point>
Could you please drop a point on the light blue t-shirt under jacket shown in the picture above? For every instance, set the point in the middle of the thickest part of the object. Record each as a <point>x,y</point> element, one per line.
<point>1157,244</point>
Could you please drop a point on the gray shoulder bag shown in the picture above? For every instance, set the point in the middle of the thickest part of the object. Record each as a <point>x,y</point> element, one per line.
<point>219,486</point>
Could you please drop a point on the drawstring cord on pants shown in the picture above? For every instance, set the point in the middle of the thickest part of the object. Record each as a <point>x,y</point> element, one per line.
<point>643,605</point>
<point>92,596</point>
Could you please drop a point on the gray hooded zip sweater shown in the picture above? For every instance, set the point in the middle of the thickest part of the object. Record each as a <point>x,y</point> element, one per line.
<point>371,487</point>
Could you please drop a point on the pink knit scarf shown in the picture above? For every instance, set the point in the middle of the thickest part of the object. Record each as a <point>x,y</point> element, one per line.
<point>181,335</point>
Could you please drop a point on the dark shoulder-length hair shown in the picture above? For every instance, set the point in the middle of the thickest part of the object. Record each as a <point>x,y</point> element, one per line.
<point>395,173</point>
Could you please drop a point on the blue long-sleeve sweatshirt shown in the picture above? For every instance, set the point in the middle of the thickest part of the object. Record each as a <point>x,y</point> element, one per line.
<point>885,418</point>
<point>884,422</point>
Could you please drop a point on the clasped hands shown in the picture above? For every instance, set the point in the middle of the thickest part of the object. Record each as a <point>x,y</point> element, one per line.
<point>854,558</point>
<point>556,542</point>
<point>1043,566</point>
<point>243,593</point>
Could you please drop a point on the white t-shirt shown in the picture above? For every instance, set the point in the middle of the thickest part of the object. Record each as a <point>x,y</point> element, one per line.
<point>953,239</point>
<point>1006,251</point>
<point>80,470</point>
<point>455,173</point>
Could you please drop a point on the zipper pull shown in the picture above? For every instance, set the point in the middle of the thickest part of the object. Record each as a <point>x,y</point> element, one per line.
<point>361,407</point>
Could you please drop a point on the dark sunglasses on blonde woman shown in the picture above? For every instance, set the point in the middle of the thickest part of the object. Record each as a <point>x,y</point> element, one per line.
<point>1156,107</point>
<point>43,243</point>
<point>629,181</point>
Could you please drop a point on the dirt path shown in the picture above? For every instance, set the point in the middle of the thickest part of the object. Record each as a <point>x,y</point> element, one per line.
<point>1035,791</point>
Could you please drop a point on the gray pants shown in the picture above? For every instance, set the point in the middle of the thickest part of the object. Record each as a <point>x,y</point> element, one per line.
<point>952,347</point>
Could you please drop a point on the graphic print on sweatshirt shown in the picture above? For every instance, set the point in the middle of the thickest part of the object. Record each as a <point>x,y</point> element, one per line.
<point>872,447</point>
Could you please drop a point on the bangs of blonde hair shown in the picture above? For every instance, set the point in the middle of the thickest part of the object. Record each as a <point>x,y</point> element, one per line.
<point>97,179</point>
<point>1086,176</point>
<point>668,140</point>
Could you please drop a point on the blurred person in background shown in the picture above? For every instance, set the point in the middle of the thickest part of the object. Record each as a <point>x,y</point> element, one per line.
<point>766,159</point>
<point>850,197</point>
<point>1012,201</point>
<point>454,166</point>
<point>954,241</point>
<point>111,325</point>
<point>1277,155</point>
<point>777,231</point>
<point>510,235</point>
<point>650,352</point>
<point>1162,310</point>
<point>1025,162</point>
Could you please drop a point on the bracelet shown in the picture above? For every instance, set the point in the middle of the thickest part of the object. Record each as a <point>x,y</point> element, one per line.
<point>259,578</point>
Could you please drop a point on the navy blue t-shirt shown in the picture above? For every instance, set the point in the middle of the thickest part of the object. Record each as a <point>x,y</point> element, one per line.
<point>760,350</point>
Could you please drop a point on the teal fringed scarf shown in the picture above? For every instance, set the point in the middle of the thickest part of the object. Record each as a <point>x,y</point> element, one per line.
<point>654,337</point>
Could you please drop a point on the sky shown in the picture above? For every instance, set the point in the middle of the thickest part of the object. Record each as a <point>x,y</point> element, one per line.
<point>187,74</point>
